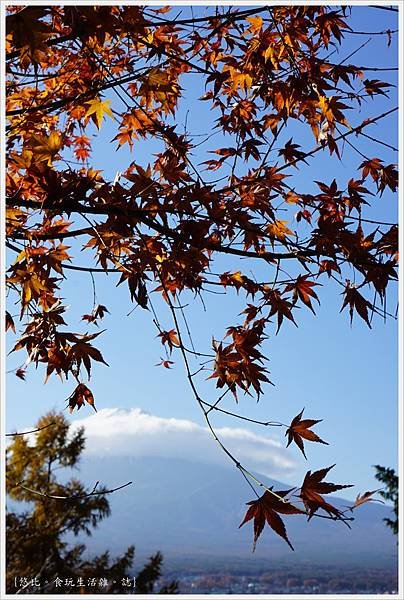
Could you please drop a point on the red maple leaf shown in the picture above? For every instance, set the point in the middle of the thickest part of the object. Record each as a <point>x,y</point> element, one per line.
<point>312,488</point>
<point>81,395</point>
<point>300,429</point>
<point>357,302</point>
<point>170,338</point>
<point>266,509</point>
<point>302,289</point>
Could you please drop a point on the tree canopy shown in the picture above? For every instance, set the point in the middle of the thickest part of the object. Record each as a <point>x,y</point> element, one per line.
<point>224,211</point>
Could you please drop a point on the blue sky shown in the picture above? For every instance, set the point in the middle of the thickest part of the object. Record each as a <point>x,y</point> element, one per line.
<point>346,375</point>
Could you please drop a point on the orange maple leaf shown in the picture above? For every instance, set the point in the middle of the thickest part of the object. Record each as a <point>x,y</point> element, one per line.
<point>365,497</point>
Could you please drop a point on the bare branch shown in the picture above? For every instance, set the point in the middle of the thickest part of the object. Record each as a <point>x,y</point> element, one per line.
<point>232,414</point>
<point>389,8</point>
<point>31,431</point>
<point>342,136</point>
<point>74,497</point>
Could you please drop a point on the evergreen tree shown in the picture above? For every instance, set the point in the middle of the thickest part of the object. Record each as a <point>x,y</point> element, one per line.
<point>36,546</point>
<point>390,480</point>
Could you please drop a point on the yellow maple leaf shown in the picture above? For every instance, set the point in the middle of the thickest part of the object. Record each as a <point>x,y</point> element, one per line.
<point>237,277</point>
<point>15,218</point>
<point>256,23</point>
<point>292,198</point>
<point>272,56</point>
<point>97,109</point>
<point>278,231</point>
<point>45,147</point>
<point>157,78</point>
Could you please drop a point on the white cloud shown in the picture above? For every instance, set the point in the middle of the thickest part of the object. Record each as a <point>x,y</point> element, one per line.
<point>122,432</point>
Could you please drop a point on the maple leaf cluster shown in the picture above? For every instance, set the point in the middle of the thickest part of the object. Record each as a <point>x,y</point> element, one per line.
<point>267,508</point>
<point>167,226</point>
<point>238,363</point>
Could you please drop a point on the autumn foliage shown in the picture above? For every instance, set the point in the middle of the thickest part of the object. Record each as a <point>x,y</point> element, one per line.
<point>163,225</point>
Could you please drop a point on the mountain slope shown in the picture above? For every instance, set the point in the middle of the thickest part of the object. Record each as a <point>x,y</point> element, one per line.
<point>193,510</point>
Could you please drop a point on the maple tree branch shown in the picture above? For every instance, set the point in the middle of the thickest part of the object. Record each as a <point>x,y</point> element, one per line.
<point>180,59</point>
<point>192,384</point>
<point>383,32</point>
<point>268,256</point>
<point>343,519</point>
<point>65,265</point>
<point>243,418</point>
<point>351,145</point>
<point>389,8</point>
<point>357,129</point>
<point>378,141</point>
<point>342,136</point>
<point>217,17</point>
<point>50,236</point>
<point>249,483</point>
<point>56,104</point>
<point>378,68</point>
<point>52,42</point>
<point>89,269</point>
<point>171,233</point>
<point>229,17</point>
<point>76,207</point>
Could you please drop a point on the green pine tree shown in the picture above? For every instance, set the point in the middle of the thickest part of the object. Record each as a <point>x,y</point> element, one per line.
<point>390,480</point>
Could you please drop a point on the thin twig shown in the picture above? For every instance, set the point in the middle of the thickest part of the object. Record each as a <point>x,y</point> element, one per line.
<point>232,414</point>
<point>31,431</point>
<point>74,496</point>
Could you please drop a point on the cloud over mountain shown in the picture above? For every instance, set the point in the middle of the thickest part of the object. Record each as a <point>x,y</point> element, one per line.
<point>122,432</point>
